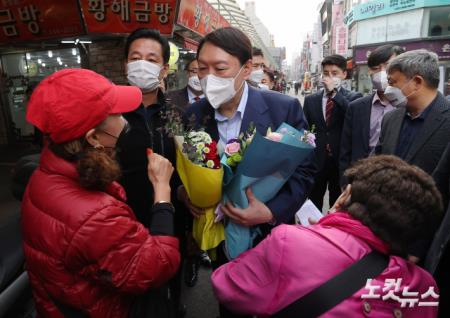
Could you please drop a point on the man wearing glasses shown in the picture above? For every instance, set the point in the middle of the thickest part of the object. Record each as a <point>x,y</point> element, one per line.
<point>192,93</point>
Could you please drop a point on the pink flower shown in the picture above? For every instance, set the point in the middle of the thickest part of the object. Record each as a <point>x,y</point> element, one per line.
<point>232,148</point>
<point>274,136</point>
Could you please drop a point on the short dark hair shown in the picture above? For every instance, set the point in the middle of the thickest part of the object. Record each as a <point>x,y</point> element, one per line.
<point>231,40</point>
<point>270,73</point>
<point>397,201</point>
<point>383,53</point>
<point>188,62</point>
<point>146,33</point>
<point>257,51</point>
<point>337,60</point>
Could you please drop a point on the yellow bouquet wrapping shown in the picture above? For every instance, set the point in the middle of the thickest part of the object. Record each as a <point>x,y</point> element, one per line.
<point>203,184</point>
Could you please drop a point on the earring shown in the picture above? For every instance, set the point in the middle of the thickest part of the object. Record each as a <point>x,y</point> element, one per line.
<point>98,146</point>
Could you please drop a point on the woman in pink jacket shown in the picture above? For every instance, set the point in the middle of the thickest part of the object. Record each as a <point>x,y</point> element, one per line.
<point>386,205</point>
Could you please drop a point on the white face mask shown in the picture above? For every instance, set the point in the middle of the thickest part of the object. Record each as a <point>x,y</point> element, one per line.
<point>257,76</point>
<point>380,81</point>
<point>144,74</point>
<point>194,83</point>
<point>264,86</point>
<point>337,82</point>
<point>396,97</point>
<point>219,90</point>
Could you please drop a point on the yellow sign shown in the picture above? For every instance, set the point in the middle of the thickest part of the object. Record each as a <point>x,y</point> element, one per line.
<point>174,54</point>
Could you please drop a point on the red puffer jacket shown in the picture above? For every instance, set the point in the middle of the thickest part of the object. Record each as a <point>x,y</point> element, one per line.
<point>85,248</point>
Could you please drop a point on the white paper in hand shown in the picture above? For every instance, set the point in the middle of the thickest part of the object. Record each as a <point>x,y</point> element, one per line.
<point>308,210</point>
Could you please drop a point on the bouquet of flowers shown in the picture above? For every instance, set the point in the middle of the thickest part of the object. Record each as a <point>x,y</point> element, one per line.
<point>277,155</point>
<point>200,171</point>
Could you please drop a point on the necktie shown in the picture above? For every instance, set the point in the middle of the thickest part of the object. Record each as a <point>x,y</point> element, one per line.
<point>329,109</point>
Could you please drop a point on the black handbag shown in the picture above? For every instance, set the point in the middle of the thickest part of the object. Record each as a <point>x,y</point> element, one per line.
<point>337,289</point>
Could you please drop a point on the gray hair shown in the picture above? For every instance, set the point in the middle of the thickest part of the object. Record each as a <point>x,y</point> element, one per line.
<point>417,62</point>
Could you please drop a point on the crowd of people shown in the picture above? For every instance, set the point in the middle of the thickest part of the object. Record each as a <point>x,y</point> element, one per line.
<point>107,221</point>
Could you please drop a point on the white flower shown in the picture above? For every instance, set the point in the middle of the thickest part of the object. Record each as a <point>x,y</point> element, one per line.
<point>210,164</point>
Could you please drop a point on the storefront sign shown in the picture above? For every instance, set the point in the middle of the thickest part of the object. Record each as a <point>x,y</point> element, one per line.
<point>190,44</point>
<point>440,47</point>
<point>383,7</point>
<point>28,20</point>
<point>125,16</point>
<point>200,17</point>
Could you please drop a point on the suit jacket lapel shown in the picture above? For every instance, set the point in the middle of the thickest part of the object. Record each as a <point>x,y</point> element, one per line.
<point>319,109</point>
<point>256,112</point>
<point>432,122</point>
<point>208,121</point>
<point>391,139</point>
<point>365,122</point>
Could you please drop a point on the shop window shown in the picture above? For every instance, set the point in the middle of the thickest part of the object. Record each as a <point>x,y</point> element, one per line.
<point>23,73</point>
<point>439,21</point>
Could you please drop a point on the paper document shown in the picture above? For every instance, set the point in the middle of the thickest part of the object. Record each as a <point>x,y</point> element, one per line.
<point>308,210</point>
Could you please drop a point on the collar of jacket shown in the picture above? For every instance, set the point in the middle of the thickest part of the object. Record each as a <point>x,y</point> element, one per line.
<point>50,163</point>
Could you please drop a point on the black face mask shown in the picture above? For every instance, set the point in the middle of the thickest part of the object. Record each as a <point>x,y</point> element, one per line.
<point>121,138</point>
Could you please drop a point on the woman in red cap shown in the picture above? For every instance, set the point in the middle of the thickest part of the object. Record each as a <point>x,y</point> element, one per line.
<point>85,252</point>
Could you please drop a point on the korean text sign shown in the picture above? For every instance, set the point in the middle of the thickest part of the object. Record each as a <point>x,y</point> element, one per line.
<point>23,20</point>
<point>199,16</point>
<point>124,16</point>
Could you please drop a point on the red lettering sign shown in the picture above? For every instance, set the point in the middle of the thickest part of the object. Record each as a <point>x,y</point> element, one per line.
<point>25,20</point>
<point>125,16</point>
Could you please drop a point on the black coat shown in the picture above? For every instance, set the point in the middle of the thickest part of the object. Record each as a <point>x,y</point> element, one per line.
<point>442,238</point>
<point>429,145</point>
<point>355,132</point>
<point>328,134</point>
<point>145,132</point>
<point>179,98</point>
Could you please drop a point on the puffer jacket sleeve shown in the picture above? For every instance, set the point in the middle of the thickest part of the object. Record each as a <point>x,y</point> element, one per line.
<point>115,249</point>
<point>249,284</point>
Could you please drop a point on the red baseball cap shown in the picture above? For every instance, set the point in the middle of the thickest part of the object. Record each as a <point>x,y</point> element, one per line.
<point>69,103</point>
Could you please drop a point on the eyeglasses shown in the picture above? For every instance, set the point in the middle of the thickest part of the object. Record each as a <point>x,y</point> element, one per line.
<point>126,129</point>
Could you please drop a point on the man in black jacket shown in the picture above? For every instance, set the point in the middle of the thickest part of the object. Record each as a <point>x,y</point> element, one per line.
<point>437,261</point>
<point>362,123</point>
<point>325,110</point>
<point>146,56</point>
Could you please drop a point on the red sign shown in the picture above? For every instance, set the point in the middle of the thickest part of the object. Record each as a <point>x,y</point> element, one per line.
<point>190,44</point>
<point>199,16</point>
<point>125,16</point>
<point>22,20</point>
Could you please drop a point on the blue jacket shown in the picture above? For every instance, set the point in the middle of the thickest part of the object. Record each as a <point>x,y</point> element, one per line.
<point>268,109</point>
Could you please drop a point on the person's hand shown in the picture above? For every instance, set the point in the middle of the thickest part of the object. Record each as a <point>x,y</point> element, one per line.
<point>256,212</point>
<point>184,197</point>
<point>413,259</point>
<point>159,171</point>
<point>312,221</point>
<point>343,201</point>
<point>328,83</point>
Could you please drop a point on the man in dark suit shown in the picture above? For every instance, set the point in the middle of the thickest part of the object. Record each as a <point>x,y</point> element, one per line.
<point>225,63</point>
<point>418,131</point>
<point>362,124</point>
<point>183,98</point>
<point>437,261</point>
<point>325,110</point>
